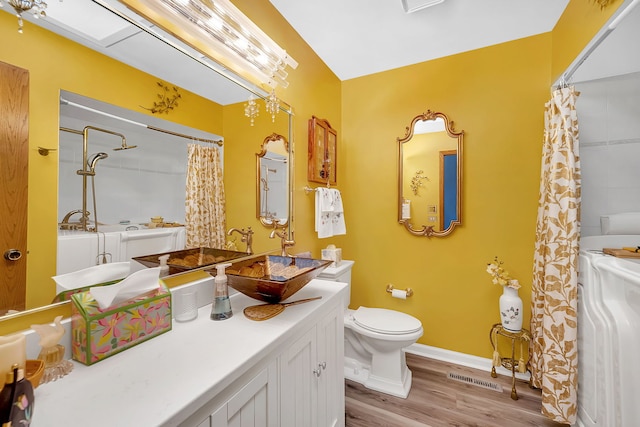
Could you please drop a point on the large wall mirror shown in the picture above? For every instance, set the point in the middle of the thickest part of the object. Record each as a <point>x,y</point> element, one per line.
<point>116,184</point>
<point>272,181</point>
<point>430,176</point>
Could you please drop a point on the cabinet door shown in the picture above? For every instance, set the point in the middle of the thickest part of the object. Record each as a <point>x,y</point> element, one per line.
<point>298,383</point>
<point>331,362</point>
<point>255,405</point>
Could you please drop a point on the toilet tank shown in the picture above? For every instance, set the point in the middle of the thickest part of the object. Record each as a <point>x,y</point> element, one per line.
<point>341,273</point>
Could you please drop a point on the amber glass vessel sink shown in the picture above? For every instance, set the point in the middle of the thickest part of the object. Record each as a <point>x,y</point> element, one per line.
<point>273,278</point>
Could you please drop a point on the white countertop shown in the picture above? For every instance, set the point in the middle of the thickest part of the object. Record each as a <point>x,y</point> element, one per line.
<point>162,381</point>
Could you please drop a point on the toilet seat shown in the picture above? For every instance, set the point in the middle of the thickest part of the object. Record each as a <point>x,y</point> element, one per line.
<point>383,321</point>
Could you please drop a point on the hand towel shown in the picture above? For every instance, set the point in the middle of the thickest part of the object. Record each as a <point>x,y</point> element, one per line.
<point>337,216</point>
<point>324,208</point>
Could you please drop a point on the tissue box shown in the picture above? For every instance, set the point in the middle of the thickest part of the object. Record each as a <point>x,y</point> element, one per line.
<point>332,254</point>
<point>97,334</point>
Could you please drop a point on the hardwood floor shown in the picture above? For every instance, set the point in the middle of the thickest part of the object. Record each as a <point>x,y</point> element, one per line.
<point>435,401</point>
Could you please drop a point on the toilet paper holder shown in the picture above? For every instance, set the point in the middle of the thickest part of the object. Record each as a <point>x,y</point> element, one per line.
<point>409,291</point>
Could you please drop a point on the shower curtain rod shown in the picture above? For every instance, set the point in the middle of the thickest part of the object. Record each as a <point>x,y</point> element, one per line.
<point>181,135</point>
<point>567,75</point>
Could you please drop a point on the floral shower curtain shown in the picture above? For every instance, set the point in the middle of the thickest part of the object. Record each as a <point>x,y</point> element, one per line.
<point>205,203</point>
<point>554,359</point>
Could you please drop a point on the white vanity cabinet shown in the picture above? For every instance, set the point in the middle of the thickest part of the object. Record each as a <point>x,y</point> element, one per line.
<point>331,381</point>
<point>312,381</point>
<point>304,384</point>
<point>254,405</point>
<point>205,373</point>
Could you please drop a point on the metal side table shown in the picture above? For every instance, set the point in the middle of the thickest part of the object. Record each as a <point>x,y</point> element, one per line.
<point>522,337</point>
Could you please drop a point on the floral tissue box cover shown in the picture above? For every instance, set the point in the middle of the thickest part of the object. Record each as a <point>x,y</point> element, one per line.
<point>98,334</point>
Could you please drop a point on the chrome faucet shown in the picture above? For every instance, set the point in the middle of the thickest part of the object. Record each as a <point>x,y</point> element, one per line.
<point>247,237</point>
<point>284,242</point>
<point>65,225</point>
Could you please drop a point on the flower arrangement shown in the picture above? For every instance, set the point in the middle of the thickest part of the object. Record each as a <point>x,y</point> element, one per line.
<point>500,275</point>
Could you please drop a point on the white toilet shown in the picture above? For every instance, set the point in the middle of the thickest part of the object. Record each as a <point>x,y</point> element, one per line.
<point>375,339</point>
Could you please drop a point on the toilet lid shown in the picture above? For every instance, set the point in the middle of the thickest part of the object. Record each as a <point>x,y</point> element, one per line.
<point>386,321</point>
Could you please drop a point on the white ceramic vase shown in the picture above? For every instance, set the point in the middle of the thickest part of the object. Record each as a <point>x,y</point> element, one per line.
<point>511,309</point>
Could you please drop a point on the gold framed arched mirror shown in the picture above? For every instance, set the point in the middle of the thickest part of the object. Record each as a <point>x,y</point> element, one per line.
<point>430,176</point>
<point>272,181</point>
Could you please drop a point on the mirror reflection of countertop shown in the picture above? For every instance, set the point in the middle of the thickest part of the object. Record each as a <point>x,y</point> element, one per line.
<point>163,381</point>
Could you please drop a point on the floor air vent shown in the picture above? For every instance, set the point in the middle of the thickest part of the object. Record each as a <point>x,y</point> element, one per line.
<point>489,385</point>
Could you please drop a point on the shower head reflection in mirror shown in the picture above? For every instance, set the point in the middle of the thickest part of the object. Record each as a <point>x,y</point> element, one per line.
<point>88,169</point>
<point>130,186</point>
<point>133,185</point>
<point>94,160</point>
<point>125,146</point>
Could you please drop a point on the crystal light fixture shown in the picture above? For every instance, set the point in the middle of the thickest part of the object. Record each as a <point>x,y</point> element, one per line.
<point>272,105</point>
<point>36,7</point>
<point>220,31</point>
<point>251,109</point>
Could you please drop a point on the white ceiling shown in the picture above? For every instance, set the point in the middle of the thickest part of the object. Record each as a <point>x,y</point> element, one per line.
<point>353,37</point>
<point>360,37</point>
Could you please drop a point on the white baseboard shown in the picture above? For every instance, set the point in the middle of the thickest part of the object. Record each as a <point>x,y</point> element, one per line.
<point>461,359</point>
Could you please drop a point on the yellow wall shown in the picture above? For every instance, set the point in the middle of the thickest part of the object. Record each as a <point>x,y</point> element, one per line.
<point>495,94</point>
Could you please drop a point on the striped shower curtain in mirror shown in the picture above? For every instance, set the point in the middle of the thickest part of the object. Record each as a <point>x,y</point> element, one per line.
<point>554,358</point>
<point>205,216</point>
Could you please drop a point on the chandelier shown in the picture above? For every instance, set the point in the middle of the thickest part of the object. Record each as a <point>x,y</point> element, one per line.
<point>272,105</point>
<point>36,7</point>
<point>251,109</point>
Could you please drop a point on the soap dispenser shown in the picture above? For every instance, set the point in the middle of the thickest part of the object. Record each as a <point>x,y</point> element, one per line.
<point>164,268</point>
<point>221,309</point>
